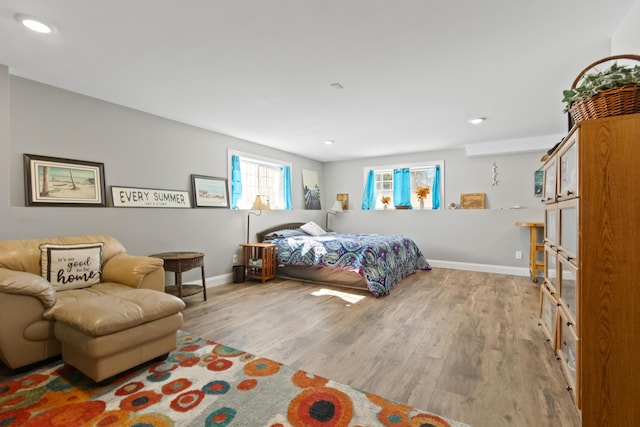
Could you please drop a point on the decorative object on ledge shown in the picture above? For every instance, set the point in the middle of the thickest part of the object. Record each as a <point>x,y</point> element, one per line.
<point>209,192</point>
<point>494,175</point>
<point>612,92</point>
<point>386,200</point>
<point>334,209</point>
<point>472,201</point>
<point>135,197</point>
<point>422,193</point>
<point>52,181</point>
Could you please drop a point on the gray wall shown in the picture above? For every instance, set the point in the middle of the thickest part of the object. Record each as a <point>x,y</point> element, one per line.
<point>467,236</point>
<point>139,150</point>
<point>143,150</point>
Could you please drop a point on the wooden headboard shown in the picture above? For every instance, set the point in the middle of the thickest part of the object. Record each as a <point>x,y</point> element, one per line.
<point>288,226</point>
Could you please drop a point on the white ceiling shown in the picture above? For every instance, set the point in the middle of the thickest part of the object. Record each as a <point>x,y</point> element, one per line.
<point>413,71</point>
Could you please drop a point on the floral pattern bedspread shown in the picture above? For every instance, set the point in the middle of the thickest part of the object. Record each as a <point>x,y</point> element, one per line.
<point>381,259</point>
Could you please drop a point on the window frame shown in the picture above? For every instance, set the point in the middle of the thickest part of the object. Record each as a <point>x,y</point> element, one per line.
<point>268,161</point>
<point>411,166</point>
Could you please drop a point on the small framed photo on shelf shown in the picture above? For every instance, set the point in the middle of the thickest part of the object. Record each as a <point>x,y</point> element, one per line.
<point>53,181</point>
<point>209,192</point>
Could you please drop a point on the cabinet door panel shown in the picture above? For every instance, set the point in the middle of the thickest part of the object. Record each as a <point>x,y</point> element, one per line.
<point>549,188</point>
<point>568,282</point>
<point>568,169</point>
<point>568,230</point>
<point>548,315</point>
<point>551,225</point>
<point>550,269</point>
<point>569,354</point>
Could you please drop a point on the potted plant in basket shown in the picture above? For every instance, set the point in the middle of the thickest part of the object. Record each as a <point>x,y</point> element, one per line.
<point>609,92</point>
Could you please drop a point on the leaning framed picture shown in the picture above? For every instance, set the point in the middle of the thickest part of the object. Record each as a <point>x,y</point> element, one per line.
<point>209,192</point>
<point>52,181</point>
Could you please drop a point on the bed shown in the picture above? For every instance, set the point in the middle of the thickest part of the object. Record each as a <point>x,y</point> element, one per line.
<point>373,262</point>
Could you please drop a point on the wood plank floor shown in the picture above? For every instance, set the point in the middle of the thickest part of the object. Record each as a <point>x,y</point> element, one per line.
<point>465,345</point>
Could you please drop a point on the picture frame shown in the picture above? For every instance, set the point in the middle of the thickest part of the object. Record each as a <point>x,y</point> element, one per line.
<point>538,179</point>
<point>55,181</point>
<point>344,199</point>
<point>139,197</point>
<point>311,189</point>
<point>210,192</point>
<point>472,201</point>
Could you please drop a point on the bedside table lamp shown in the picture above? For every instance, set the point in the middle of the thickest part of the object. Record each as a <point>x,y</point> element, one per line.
<point>259,205</point>
<point>334,209</point>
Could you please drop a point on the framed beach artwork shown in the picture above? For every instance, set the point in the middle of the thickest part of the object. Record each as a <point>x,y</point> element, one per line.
<point>311,187</point>
<point>52,181</point>
<point>209,192</point>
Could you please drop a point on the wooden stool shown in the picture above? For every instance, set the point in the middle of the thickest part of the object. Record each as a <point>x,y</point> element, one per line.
<point>534,248</point>
<point>178,262</point>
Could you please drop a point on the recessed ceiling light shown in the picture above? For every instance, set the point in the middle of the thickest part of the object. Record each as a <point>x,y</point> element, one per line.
<point>477,120</point>
<point>328,142</point>
<point>35,24</point>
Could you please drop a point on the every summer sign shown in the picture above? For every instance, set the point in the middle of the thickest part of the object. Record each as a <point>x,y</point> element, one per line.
<point>132,197</point>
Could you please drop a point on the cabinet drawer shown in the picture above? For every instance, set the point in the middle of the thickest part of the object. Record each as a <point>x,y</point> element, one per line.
<point>551,225</point>
<point>548,316</point>
<point>568,169</point>
<point>568,351</point>
<point>568,230</point>
<point>568,282</point>
<point>550,268</point>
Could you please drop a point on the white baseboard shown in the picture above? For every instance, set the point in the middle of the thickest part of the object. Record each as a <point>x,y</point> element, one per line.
<point>224,279</point>
<point>484,268</point>
<point>213,281</point>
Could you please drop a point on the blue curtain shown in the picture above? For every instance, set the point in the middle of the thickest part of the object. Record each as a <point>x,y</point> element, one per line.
<point>402,187</point>
<point>286,173</point>
<point>435,191</point>
<point>369,196</point>
<point>236,181</point>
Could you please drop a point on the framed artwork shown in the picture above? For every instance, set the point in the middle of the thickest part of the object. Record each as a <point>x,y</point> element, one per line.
<point>472,201</point>
<point>344,199</point>
<point>311,187</point>
<point>135,197</point>
<point>538,178</point>
<point>209,192</point>
<point>53,181</point>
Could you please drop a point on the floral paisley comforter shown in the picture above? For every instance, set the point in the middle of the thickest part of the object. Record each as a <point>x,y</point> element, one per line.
<point>381,259</point>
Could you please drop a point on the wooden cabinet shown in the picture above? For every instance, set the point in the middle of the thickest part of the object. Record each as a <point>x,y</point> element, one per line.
<point>592,253</point>
<point>259,260</point>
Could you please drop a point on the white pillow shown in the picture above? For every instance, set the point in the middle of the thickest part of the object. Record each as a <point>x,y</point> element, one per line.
<point>71,266</point>
<point>313,229</point>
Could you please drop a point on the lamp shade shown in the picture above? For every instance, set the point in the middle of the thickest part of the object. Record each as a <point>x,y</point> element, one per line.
<point>336,207</point>
<point>260,204</point>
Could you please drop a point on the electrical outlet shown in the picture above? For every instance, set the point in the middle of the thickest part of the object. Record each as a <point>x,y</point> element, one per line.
<point>235,259</point>
<point>518,254</point>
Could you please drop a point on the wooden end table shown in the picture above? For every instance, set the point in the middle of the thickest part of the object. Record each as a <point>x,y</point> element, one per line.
<point>179,262</point>
<point>534,248</point>
<point>259,260</point>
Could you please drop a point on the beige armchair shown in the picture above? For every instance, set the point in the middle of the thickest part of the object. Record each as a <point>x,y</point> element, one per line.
<point>29,302</point>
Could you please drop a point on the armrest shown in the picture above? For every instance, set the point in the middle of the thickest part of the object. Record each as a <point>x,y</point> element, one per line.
<point>29,284</point>
<point>129,270</point>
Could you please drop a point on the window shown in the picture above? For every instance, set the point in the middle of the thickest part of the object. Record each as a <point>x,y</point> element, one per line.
<point>421,175</point>
<point>268,178</point>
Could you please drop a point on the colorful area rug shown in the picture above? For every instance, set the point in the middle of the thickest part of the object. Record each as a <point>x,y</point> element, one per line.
<point>201,383</point>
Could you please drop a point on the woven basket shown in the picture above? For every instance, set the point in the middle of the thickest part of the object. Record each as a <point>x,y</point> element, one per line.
<point>612,102</point>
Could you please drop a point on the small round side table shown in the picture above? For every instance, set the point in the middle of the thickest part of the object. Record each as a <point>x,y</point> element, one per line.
<point>179,262</point>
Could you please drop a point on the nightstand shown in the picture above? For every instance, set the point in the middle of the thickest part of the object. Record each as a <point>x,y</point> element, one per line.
<point>259,260</point>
